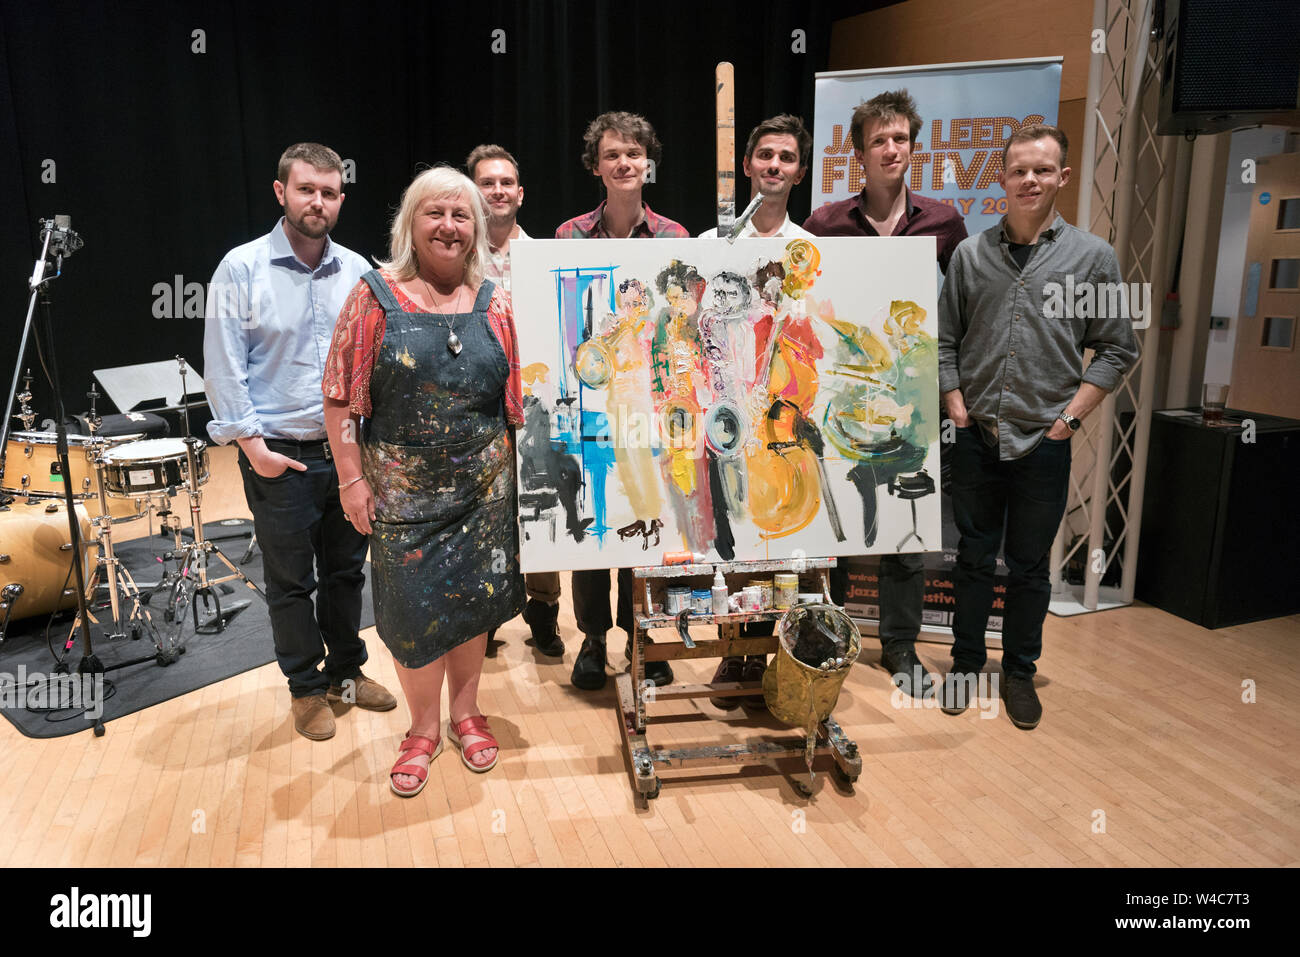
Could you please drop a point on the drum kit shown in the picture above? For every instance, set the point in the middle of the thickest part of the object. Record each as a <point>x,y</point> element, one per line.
<point>54,489</point>
<point>115,480</point>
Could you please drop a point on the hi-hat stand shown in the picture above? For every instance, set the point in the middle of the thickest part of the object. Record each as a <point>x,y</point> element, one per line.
<point>189,587</point>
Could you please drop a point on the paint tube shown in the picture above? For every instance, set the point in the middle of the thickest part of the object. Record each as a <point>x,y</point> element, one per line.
<point>684,558</point>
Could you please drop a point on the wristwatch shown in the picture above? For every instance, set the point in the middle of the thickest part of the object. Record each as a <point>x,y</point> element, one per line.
<point>1070,420</point>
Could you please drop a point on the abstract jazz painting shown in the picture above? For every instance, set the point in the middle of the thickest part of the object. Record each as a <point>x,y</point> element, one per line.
<point>759,400</point>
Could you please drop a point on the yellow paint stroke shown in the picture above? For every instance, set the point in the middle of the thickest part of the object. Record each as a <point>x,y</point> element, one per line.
<point>801,261</point>
<point>783,490</point>
<point>640,483</point>
<point>793,372</point>
<point>860,337</point>
<point>406,359</point>
<point>490,589</point>
<point>905,316</point>
<point>535,372</point>
<point>851,371</point>
<point>681,466</point>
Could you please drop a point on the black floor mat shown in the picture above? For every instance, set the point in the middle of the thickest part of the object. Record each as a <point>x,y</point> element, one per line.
<point>43,705</point>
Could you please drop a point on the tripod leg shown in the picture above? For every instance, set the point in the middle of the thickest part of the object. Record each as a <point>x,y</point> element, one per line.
<point>242,577</point>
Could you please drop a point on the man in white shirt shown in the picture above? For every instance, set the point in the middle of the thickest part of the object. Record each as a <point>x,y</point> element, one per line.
<point>496,174</point>
<point>776,159</point>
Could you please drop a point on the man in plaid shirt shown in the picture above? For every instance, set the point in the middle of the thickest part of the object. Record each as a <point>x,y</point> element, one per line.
<point>621,149</point>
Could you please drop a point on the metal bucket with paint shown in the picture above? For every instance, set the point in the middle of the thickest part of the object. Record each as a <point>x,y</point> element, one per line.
<point>797,693</point>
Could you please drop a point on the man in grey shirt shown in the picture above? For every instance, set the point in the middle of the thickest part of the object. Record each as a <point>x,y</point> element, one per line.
<point>1021,302</point>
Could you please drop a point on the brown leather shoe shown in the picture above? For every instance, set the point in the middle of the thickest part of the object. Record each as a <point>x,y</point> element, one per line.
<point>312,717</point>
<point>729,669</point>
<point>755,665</point>
<point>364,693</point>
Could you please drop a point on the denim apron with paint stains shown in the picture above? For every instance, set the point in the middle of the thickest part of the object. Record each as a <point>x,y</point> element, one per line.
<point>436,454</point>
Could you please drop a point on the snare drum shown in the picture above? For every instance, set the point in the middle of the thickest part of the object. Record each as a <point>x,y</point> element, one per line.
<point>32,469</point>
<point>35,554</point>
<point>141,469</point>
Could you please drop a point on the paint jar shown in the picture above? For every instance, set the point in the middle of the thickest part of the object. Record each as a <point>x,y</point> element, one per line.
<point>785,590</point>
<point>701,601</point>
<point>764,586</point>
<point>678,598</point>
<point>751,598</point>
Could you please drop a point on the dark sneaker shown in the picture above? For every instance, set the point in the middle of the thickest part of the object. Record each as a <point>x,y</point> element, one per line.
<point>907,671</point>
<point>729,669</point>
<point>1023,707</point>
<point>589,668</point>
<point>543,618</point>
<point>657,671</point>
<point>958,690</point>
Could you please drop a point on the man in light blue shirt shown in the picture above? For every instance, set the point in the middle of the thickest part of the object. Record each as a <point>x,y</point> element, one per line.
<point>271,310</point>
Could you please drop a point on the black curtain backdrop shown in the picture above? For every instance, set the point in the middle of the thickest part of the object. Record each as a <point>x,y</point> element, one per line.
<point>164,156</point>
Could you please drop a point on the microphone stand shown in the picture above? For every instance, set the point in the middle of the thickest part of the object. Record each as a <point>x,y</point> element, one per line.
<point>60,241</point>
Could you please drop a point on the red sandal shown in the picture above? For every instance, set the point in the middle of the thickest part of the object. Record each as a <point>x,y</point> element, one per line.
<point>475,725</point>
<point>413,745</point>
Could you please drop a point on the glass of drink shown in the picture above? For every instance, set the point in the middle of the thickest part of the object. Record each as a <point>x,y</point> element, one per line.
<point>1214,399</point>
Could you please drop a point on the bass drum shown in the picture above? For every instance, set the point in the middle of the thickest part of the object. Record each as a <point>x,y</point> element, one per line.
<point>142,469</point>
<point>35,556</point>
<point>32,470</point>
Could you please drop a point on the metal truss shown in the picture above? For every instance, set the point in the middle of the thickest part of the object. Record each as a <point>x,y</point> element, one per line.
<point>1126,198</point>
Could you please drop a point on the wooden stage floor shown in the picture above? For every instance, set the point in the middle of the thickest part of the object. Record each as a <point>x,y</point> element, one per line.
<point>1147,755</point>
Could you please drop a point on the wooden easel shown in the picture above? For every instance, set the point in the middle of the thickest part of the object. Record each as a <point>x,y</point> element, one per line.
<point>648,762</point>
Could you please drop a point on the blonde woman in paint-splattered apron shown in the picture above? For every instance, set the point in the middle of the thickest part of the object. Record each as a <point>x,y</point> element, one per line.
<point>435,382</point>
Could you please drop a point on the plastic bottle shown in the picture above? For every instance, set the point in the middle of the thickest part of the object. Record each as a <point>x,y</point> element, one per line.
<point>719,593</point>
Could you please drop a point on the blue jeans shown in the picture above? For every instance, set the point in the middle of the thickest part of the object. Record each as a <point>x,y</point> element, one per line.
<point>1022,500</point>
<point>309,547</point>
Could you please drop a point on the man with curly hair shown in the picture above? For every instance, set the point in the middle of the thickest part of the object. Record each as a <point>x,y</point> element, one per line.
<point>621,150</point>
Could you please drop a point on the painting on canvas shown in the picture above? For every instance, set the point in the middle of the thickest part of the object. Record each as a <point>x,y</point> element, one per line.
<point>758,400</point>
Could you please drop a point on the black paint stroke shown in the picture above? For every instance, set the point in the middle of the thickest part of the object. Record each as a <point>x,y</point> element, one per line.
<point>724,540</point>
<point>548,476</point>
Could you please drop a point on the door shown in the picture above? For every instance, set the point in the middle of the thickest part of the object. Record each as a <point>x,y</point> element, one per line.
<point>1266,363</point>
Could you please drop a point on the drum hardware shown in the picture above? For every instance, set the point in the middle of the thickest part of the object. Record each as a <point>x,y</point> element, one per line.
<point>122,588</point>
<point>25,414</point>
<point>9,596</point>
<point>910,487</point>
<point>189,587</point>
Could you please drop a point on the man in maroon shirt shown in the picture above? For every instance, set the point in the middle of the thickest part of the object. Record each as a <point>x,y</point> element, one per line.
<point>884,131</point>
<point>619,149</point>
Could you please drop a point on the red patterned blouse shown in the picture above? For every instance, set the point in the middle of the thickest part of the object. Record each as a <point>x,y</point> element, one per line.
<point>360,332</point>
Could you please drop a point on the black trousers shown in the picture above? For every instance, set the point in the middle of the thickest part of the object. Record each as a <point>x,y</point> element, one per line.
<point>591,594</point>
<point>312,560</point>
<point>902,594</point>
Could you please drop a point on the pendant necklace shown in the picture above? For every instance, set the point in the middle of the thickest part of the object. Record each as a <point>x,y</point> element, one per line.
<point>453,340</point>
